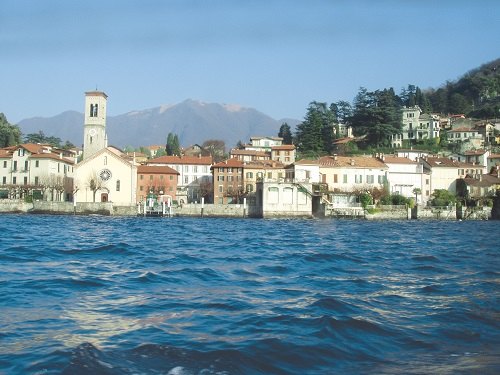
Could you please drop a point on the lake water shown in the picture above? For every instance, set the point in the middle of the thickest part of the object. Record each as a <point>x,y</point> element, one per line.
<point>105,295</point>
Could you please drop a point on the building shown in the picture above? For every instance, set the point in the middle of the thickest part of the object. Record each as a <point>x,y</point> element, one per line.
<point>194,175</point>
<point>263,143</point>
<point>248,156</point>
<point>228,181</point>
<point>94,129</point>
<point>444,172</point>
<point>158,180</point>
<point>417,126</point>
<point>41,171</point>
<point>404,176</point>
<point>106,174</point>
<point>352,173</point>
<point>284,154</point>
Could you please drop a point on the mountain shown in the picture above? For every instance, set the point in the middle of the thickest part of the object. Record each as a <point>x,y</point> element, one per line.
<point>193,121</point>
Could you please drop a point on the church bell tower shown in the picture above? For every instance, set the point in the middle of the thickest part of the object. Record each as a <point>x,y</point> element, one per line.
<point>94,129</point>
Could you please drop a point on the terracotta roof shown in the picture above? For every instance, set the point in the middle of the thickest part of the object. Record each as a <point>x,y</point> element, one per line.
<point>192,160</point>
<point>397,160</point>
<point>448,163</point>
<point>158,169</point>
<point>306,162</point>
<point>486,180</point>
<point>95,93</point>
<point>50,155</point>
<point>344,140</point>
<point>155,147</point>
<point>5,152</point>
<point>231,163</point>
<point>494,156</point>
<point>261,164</point>
<point>351,161</point>
<point>33,147</point>
<point>249,152</point>
<point>475,152</point>
<point>283,147</point>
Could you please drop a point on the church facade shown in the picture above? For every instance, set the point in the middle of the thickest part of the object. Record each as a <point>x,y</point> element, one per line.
<point>106,174</point>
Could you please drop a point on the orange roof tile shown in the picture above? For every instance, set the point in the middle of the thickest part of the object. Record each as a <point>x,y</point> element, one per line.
<point>156,169</point>
<point>351,161</point>
<point>192,160</point>
<point>231,163</point>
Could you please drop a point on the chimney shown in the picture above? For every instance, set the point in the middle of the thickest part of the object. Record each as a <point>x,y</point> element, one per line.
<point>352,161</point>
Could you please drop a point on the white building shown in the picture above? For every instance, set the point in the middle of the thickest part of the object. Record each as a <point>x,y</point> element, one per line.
<point>416,126</point>
<point>41,171</point>
<point>193,171</point>
<point>444,172</point>
<point>106,174</point>
<point>403,176</point>
<point>352,173</point>
<point>263,143</point>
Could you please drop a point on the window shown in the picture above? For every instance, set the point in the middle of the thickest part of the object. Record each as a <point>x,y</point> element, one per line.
<point>14,180</point>
<point>25,180</point>
<point>150,177</point>
<point>345,179</point>
<point>221,170</point>
<point>20,152</point>
<point>427,181</point>
<point>335,178</point>
<point>186,168</point>
<point>249,175</point>
<point>36,180</point>
<point>269,175</point>
<point>220,178</point>
<point>105,160</point>
<point>4,180</point>
<point>195,169</point>
<point>26,165</point>
<point>5,163</point>
<point>186,181</point>
<point>358,179</point>
<point>460,172</point>
<point>230,170</point>
<point>141,188</point>
<point>229,178</point>
<point>117,185</point>
<point>161,177</point>
<point>58,167</point>
<point>381,179</point>
<point>249,188</point>
<point>141,177</point>
<point>370,179</point>
<point>221,188</point>
<point>171,177</point>
<point>14,167</point>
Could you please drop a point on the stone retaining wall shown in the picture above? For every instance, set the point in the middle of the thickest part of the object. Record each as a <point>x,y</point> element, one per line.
<point>14,206</point>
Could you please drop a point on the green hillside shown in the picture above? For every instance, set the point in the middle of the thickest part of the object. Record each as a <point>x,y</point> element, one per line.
<point>476,94</point>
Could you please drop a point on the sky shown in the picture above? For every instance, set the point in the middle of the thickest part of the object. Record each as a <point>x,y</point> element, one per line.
<point>276,56</point>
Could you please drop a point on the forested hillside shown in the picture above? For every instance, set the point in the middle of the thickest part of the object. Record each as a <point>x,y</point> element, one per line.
<point>476,94</point>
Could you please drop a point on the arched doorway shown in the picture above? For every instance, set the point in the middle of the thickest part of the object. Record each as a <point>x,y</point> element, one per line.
<point>104,197</point>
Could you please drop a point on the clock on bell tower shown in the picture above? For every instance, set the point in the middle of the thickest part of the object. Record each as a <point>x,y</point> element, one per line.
<point>94,129</point>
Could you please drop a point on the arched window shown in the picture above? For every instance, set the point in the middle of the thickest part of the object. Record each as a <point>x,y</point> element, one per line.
<point>117,185</point>
<point>91,114</point>
<point>105,160</point>
<point>95,110</point>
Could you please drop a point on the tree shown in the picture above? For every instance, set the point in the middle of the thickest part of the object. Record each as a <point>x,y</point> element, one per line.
<point>286,134</point>
<point>10,135</point>
<point>173,147</point>
<point>314,135</point>
<point>342,111</point>
<point>95,183</point>
<point>376,115</point>
<point>417,192</point>
<point>216,148</point>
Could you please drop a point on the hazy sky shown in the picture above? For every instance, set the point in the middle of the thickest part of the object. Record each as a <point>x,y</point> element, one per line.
<point>272,55</point>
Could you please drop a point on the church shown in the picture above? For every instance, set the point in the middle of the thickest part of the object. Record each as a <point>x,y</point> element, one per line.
<point>105,174</point>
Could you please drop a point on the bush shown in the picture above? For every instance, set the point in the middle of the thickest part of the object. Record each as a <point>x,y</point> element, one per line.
<point>443,197</point>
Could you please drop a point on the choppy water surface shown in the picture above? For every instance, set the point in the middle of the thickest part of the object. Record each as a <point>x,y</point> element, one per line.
<point>101,295</point>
